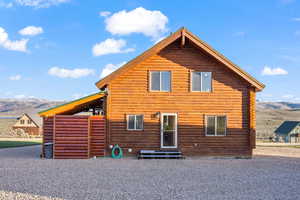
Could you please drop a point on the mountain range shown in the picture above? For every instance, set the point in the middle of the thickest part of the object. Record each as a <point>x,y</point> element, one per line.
<point>269,114</point>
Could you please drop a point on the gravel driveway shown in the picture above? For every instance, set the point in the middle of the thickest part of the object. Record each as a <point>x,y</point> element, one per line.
<point>24,176</point>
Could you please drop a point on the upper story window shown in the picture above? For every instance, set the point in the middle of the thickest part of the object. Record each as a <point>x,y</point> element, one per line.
<point>216,125</point>
<point>160,81</point>
<point>135,122</point>
<point>28,121</point>
<point>22,121</point>
<point>201,81</point>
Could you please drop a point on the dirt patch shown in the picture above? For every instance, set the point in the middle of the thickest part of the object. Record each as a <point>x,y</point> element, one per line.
<point>277,151</point>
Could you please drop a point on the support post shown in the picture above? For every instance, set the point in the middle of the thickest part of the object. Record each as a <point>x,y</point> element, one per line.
<point>252,118</point>
<point>89,137</point>
<point>54,134</point>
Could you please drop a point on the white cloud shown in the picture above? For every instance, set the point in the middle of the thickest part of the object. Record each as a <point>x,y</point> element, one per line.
<point>297,19</point>
<point>70,73</point>
<point>110,46</point>
<point>31,30</point>
<point>78,96</point>
<point>6,5</point>
<point>150,23</point>
<point>159,39</point>
<point>18,45</point>
<point>40,3</point>
<point>288,96</point>
<point>239,34</point>
<point>297,33</point>
<point>268,71</point>
<point>109,68</point>
<point>15,77</point>
<point>104,13</point>
<point>20,96</point>
<point>291,58</point>
<point>287,1</point>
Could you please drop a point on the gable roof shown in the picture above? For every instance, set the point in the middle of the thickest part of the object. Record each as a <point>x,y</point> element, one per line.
<point>25,114</point>
<point>72,106</point>
<point>182,33</point>
<point>286,127</point>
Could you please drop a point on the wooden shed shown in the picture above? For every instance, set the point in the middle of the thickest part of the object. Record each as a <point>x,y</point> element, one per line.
<point>74,135</point>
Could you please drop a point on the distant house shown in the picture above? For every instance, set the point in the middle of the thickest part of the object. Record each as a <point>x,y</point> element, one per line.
<point>26,123</point>
<point>289,131</point>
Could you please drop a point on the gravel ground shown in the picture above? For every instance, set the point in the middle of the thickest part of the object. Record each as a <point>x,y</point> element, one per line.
<point>24,176</point>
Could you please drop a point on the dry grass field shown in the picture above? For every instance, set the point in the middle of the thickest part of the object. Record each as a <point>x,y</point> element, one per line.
<point>269,119</point>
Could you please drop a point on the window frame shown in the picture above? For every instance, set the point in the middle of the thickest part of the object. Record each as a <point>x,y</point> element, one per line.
<point>216,120</point>
<point>160,78</point>
<point>135,129</point>
<point>22,121</point>
<point>191,81</point>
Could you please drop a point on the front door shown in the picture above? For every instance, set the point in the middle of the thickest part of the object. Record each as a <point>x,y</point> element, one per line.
<point>168,130</point>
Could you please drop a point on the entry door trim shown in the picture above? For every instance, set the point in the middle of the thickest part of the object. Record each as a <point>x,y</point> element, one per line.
<point>162,128</point>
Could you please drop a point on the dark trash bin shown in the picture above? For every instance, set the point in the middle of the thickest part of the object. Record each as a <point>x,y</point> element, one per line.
<point>48,148</point>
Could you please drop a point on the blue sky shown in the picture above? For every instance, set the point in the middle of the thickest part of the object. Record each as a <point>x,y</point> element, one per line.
<point>58,49</point>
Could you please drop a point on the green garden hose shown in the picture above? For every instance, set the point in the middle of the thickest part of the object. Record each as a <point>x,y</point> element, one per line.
<point>119,150</point>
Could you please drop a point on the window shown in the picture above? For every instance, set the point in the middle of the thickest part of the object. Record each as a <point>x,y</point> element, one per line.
<point>22,121</point>
<point>216,125</point>
<point>160,81</point>
<point>135,122</point>
<point>28,121</point>
<point>201,81</point>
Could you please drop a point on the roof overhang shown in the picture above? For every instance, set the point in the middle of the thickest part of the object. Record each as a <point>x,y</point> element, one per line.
<point>74,106</point>
<point>183,33</point>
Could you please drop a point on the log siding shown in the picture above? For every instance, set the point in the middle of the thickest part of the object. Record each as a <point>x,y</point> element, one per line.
<point>129,94</point>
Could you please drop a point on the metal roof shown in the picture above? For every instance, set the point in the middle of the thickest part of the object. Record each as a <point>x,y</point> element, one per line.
<point>286,127</point>
<point>73,106</point>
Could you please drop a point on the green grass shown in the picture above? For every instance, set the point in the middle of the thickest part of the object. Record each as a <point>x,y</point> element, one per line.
<point>10,144</point>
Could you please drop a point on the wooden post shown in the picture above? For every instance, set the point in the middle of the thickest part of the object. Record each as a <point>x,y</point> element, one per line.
<point>108,110</point>
<point>182,39</point>
<point>54,119</point>
<point>43,138</point>
<point>89,137</point>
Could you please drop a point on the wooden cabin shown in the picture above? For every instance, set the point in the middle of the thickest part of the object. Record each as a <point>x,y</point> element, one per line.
<point>289,132</point>
<point>181,94</point>
<point>27,124</point>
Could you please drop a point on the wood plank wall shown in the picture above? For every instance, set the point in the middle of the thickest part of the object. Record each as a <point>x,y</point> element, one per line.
<point>75,136</point>
<point>47,131</point>
<point>71,137</point>
<point>129,94</point>
<point>97,137</point>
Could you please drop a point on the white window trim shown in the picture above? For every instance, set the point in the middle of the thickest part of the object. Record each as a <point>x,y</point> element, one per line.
<point>135,129</point>
<point>160,85</point>
<point>215,116</point>
<point>191,82</point>
<point>161,131</point>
